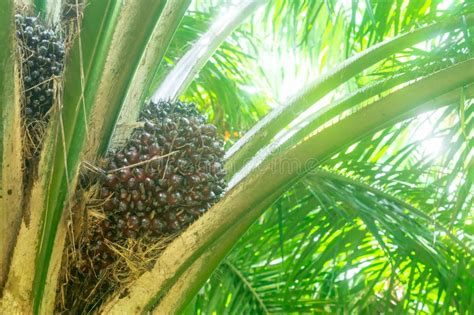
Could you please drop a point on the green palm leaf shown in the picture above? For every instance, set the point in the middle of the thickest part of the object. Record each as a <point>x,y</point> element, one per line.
<point>349,246</point>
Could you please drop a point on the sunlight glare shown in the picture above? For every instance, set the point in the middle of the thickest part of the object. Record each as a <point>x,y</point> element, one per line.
<point>430,145</point>
<point>445,4</point>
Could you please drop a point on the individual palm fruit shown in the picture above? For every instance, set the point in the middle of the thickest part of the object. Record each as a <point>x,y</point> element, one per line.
<point>42,53</point>
<point>168,174</point>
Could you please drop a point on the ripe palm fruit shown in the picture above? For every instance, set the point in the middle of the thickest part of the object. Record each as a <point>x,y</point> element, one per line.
<point>168,174</point>
<point>42,53</point>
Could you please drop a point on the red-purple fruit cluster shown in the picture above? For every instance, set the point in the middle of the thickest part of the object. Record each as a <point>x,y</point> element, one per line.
<point>168,174</point>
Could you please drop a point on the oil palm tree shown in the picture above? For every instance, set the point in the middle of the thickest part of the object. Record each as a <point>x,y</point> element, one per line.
<point>353,194</point>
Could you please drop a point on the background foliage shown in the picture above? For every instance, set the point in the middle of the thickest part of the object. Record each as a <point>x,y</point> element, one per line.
<point>384,225</point>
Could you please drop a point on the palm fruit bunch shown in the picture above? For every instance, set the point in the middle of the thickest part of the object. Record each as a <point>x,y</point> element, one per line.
<point>42,53</point>
<point>168,174</point>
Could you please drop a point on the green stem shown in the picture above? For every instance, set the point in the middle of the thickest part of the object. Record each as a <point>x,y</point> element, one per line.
<point>163,32</point>
<point>110,48</point>
<point>87,60</point>
<point>332,110</point>
<point>11,192</point>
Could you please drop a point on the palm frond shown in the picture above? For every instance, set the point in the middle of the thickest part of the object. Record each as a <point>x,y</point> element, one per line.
<point>349,246</point>
<point>426,161</point>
